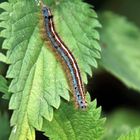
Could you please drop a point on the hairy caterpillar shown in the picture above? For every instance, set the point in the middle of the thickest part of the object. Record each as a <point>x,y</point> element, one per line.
<point>66,55</point>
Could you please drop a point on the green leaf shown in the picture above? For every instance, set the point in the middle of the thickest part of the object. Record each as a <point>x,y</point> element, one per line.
<point>120,122</point>
<point>72,124</point>
<point>3,85</point>
<point>132,135</point>
<point>121,49</point>
<point>4,126</point>
<point>38,79</point>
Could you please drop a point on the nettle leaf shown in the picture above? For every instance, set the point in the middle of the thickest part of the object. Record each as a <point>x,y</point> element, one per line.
<point>69,123</point>
<point>38,79</point>
<point>134,134</point>
<point>76,23</point>
<point>121,49</point>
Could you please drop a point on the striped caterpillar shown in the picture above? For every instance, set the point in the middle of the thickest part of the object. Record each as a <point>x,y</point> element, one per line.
<point>66,55</point>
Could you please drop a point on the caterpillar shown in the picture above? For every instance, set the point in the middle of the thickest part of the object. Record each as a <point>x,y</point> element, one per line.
<point>66,55</point>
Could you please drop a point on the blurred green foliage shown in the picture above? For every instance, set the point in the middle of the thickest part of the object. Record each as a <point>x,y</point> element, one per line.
<point>4,126</point>
<point>120,122</point>
<point>121,49</point>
